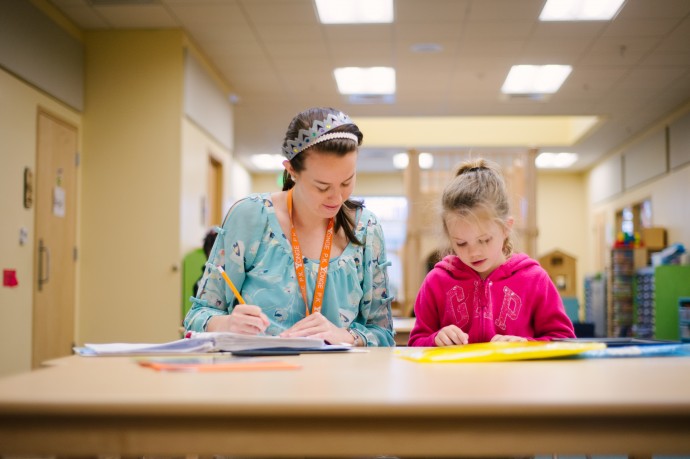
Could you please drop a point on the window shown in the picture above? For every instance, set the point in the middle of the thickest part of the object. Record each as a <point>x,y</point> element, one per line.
<point>632,219</point>
<point>392,214</point>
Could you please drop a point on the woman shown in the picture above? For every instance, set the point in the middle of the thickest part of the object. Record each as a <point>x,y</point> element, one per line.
<point>307,260</point>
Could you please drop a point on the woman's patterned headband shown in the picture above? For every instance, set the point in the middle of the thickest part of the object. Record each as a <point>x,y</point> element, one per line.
<point>319,132</point>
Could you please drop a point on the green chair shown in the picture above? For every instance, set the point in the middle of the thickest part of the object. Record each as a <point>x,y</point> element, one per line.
<point>191,271</point>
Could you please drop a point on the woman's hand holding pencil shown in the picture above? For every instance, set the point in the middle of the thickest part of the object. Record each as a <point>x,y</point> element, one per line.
<point>244,318</point>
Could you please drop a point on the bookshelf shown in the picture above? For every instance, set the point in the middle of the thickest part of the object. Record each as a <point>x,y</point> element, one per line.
<point>644,303</point>
<point>595,303</point>
<point>621,287</point>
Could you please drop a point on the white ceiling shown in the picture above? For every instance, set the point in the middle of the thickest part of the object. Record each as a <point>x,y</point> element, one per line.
<point>278,59</point>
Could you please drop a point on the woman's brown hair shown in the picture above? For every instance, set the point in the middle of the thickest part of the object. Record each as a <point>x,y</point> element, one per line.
<point>340,147</point>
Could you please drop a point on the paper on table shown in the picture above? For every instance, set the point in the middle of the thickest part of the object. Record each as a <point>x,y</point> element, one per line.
<point>228,365</point>
<point>500,351</point>
<point>205,342</point>
<point>173,347</point>
<point>228,341</point>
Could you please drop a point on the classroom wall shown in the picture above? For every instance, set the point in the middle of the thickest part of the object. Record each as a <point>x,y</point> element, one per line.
<point>41,66</point>
<point>670,209</point>
<point>368,184</point>
<point>207,132</point>
<point>375,184</point>
<point>562,217</point>
<point>41,52</point>
<point>130,281</point>
<point>19,104</point>
<point>654,165</point>
<point>240,184</point>
<point>197,146</point>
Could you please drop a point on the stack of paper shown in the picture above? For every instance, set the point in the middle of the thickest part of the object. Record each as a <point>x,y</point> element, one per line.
<point>204,342</point>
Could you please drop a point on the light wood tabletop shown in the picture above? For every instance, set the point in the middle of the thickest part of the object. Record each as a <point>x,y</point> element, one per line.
<point>350,404</point>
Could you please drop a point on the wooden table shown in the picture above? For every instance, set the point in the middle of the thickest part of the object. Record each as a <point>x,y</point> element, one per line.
<point>371,403</point>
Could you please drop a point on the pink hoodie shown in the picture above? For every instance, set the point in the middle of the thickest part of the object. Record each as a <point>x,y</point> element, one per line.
<point>518,298</point>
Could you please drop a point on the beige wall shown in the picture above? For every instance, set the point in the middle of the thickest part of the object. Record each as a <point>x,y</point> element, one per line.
<point>368,184</point>
<point>562,219</point>
<point>670,197</point>
<point>130,282</point>
<point>264,182</point>
<point>19,104</point>
<point>197,146</point>
<point>654,165</point>
<point>565,216</point>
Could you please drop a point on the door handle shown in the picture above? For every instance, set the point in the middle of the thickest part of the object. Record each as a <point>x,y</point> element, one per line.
<point>42,249</point>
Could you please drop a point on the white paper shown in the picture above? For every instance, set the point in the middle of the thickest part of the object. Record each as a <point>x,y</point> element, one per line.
<point>205,342</point>
<point>59,201</point>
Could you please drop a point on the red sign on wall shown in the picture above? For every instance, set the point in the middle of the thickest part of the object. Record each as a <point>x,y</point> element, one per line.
<point>9,278</point>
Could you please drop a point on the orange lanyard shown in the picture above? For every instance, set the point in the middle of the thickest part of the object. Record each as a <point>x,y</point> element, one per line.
<point>299,263</point>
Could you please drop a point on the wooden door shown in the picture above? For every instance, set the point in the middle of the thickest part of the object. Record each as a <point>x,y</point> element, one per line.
<point>55,233</point>
<point>215,192</point>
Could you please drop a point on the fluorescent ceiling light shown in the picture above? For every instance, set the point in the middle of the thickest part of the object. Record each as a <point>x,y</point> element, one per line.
<point>267,162</point>
<point>535,79</point>
<point>401,160</point>
<point>555,160</point>
<point>365,80</point>
<point>580,10</point>
<point>354,11</point>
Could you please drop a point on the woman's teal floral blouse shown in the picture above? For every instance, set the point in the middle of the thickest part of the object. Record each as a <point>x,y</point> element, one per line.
<point>257,256</point>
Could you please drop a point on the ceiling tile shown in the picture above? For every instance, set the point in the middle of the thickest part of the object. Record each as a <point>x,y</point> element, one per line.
<point>280,12</point>
<point>137,16</point>
<point>279,59</point>
<point>431,11</point>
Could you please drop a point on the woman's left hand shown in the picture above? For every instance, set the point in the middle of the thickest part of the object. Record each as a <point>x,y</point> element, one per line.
<point>507,339</point>
<point>317,326</point>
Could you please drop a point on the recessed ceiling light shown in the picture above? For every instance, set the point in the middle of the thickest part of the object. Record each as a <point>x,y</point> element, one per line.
<point>266,162</point>
<point>535,79</point>
<point>365,80</point>
<point>580,10</point>
<point>354,11</point>
<point>555,160</point>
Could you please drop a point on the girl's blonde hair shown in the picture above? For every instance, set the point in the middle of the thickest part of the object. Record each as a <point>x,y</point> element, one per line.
<point>477,190</point>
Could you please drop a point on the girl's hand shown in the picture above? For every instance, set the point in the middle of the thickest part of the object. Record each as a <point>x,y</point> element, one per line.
<point>247,319</point>
<point>317,326</point>
<point>451,335</point>
<point>507,339</point>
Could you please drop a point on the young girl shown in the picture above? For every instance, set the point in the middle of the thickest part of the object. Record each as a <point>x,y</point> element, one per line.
<point>483,291</point>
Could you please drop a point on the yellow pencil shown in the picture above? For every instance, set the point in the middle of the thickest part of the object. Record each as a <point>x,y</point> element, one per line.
<point>229,282</point>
